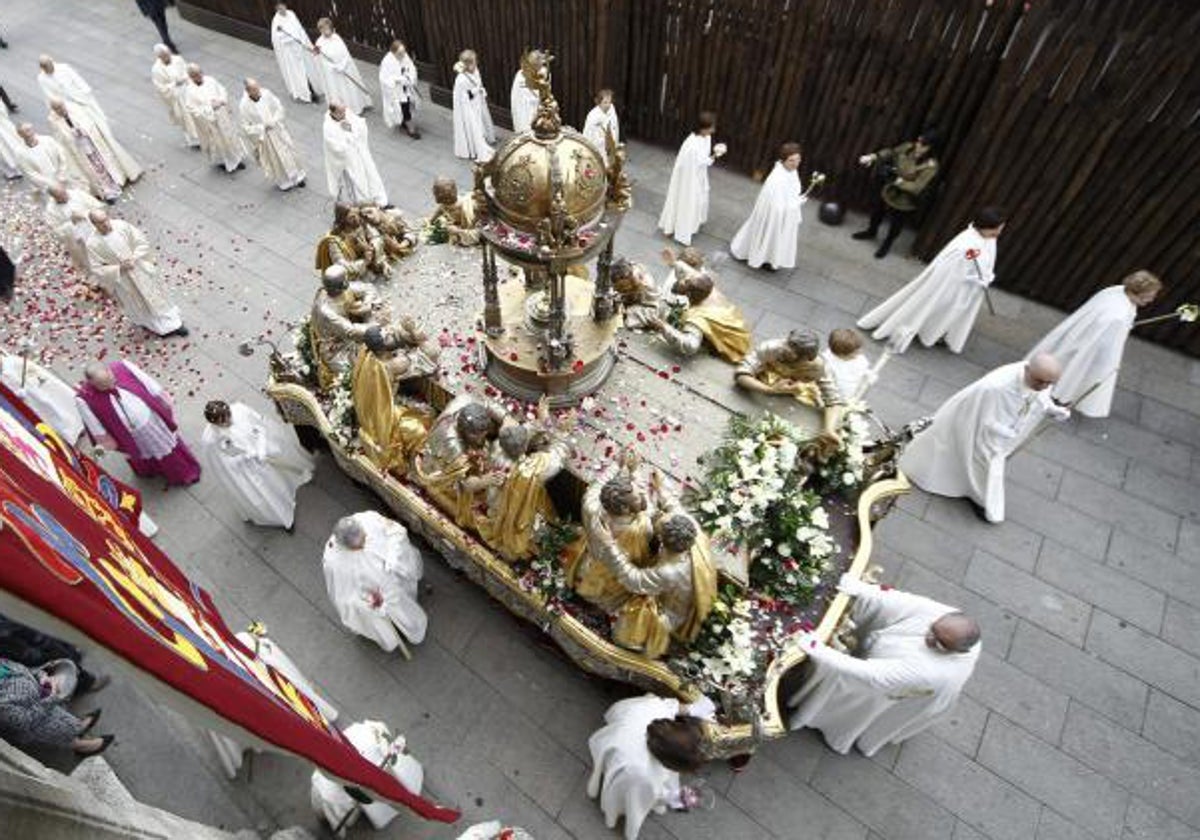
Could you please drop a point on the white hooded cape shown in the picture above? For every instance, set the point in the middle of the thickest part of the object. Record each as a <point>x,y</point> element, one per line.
<point>386,567</point>
<point>686,206</point>
<point>397,85</point>
<point>944,299</point>
<point>899,687</point>
<point>473,129</point>
<point>339,74</point>
<point>1089,344</point>
<point>350,171</point>
<point>769,235</point>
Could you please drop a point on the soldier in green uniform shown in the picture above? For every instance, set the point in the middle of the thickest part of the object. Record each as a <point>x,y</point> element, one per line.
<point>905,173</point>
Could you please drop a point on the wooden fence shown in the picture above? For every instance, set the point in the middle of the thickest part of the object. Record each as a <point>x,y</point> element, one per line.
<point>1079,116</point>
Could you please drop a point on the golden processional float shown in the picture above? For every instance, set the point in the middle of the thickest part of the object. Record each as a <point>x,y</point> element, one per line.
<point>781,518</point>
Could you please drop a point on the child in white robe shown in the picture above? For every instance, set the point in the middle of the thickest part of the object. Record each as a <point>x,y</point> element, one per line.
<point>768,238</point>
<point>602,121</point>
<point>686,206</point>
<point>846,364</point>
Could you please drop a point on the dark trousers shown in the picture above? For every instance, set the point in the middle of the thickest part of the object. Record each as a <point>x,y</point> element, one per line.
<point>8,103</point>
<point>895,219</point>
<point>158,17</point>
<point>406,112</point>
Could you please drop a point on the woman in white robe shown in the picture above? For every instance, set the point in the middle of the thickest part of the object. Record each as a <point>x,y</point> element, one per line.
<point>899,683</point>
<point>372,574</point>
<point>44,392</point>
<point>965,450</point>
<point>629,779</point>
<point>686,205</point>
<point>257,461</point>
<point>769,236</point>
<point>474,132</point>
<point>602,121</point>
<point>398,89</point>
<point>944,299</point>
<point>339,74</point>
<point>1091,342</point>
<point>378,745</point>
<point>263,122</point>
<point>294,53</point>
<point>170,78</point>
<point>229,752</point>
<point>350,172</point>
<point>122,261</point>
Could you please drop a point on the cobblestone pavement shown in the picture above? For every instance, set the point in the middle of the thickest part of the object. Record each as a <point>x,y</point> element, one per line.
<point>1082,720</point>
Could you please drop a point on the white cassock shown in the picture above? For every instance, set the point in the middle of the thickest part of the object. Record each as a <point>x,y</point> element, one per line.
<point>293,51</point>
<point>686,207</point>
<point>46,163</point>
<point>269,139</point>
<point>208,103</point>
<point>397,86</point>
<point>66,84</point>
<point>10,142</point>
<point>473,129</point>
<point>964,451</point>
<point>629,780</point>
<point>95,151</point>
<point>943,300</point>
<point>339,74</point>
<point>229,751</point>
<point>597,123</point>
<point>49,396</point>
<point>769,235</point>
<point>375,742</point>
<point>141,292</point>
<point>171,82</point>
<point>851,375</point>
<point>895,687</point>
<point>523,104</point>
<point>258,463</point>
<point>69,222</point>
<point>387,569</point>
<point>1089,344</point>
<point>350,171</point>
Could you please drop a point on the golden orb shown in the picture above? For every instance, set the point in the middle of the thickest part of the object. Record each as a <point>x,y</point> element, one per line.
<point>521,185</point>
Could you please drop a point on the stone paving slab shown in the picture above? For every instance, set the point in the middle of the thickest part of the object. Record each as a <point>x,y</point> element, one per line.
<point>1082,718</point>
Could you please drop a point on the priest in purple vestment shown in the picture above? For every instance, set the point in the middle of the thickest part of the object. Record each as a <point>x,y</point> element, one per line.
<point>123,408</point>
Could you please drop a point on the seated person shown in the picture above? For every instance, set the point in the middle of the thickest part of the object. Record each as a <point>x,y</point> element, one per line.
<point>697,314</point>
<point>635,289</point>
<point>341,313</point>
<point>346,244</point>
<point>793,366</point>
<point>457,448</point>
<point>847,365</point>
<point>637,756</point>
<point>388,235</point>
<point>456,215</point>
<point>389,432</point>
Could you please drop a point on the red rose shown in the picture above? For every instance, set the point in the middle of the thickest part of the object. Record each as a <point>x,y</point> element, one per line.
<point>973,253</point>
<point>578,366</point>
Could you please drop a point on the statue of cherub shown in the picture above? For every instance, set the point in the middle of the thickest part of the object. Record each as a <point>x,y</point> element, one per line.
<point>456,215</point>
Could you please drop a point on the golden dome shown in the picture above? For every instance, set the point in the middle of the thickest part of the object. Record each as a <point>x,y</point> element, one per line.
<point>525,171</point>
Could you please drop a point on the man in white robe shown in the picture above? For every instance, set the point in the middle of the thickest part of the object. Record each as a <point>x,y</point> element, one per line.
<point>258,462</point>
<point>372,574</point>
<point>523,102</point>
<point>376,743</point>
<point>10,143</point>
<point>66,214</point>
<point>964,451</point>
<point>208,103</point>
<point>913,659</point>
<point>638,754</point>
<point>686,206</point>
<point>170,79</point>
<point>398,89</point>
<point>262,118</point>
<point>122,261</point>
<point>1091,342</point>
<point>43,160</point>
<point>350,172</point>
<point>339,74</point>
<point>296,56</point>
<point>941,304</point>
<point>474,133</point>
<point>229,752</point>
<point>768,237</point>
<point>602,121</point>
<point>58,80</point>
<point>96,153</point>
<point>45,393</point>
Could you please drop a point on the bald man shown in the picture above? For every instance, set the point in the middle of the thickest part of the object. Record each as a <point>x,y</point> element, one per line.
<point>122,261</point>
<point>914,656</point>
<point>208,103</point>
<point>262,119</point>
<point>964,452</point>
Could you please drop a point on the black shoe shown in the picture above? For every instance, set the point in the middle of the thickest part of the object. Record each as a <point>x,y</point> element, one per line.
<point>182,332</point>
<point>980,511</point>
<point>106,741</point>
<point>882,250</point>
<point>239,167</point>
<point>302,184</point>
<point>864,234</point>
<point>171,46</point>
<point>89,721</point>
<point>99,683</point>
<point>3,44</point>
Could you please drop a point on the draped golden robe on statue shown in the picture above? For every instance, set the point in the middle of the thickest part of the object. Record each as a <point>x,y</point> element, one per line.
<point>595,582</point>
<point>389,433</point>
<point>723,324</point>
<point>345,244</point>
<point>509,528</point>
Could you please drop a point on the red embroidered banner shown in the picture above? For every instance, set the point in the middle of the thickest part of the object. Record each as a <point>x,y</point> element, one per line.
<point>71,554</point>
